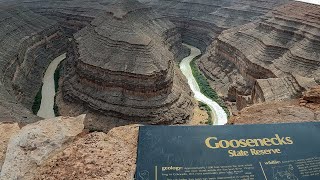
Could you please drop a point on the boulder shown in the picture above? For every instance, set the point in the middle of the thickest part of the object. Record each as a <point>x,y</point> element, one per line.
<point>35,143</point>
<point>7,131</point>
<point>276,112</point>
<point>312,95</point>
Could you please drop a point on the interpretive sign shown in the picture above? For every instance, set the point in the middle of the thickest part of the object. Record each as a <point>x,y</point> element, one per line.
<point>261,152</point>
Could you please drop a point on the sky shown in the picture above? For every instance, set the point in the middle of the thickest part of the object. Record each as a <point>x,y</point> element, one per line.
<point>311,1</point>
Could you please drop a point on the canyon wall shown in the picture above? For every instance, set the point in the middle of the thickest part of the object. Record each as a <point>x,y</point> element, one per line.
<point>201,21</point>
<point>271,57</point>
<point>120,65</point>
<point>28,43</point>
<point>275,58</point>
<point>72,15</point>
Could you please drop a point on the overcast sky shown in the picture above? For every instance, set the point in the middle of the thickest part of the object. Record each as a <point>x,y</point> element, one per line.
<point>311,1</point>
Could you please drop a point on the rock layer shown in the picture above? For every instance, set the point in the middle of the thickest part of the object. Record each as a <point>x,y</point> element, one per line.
<point>121,66</point>
<point>28,43</point>
<point>201,21</point>
<point>275,58</point>
<point>72,15</point>
<point>277,49</point>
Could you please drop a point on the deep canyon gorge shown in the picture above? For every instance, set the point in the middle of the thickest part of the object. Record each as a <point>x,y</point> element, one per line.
<point>262,58</point>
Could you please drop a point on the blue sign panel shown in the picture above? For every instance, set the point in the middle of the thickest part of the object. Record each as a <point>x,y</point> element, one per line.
<point>251,152</point>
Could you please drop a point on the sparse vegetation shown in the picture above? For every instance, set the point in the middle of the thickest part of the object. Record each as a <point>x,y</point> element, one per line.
<point>206,108</point>
<point>37,102</point>
<point>56,87</point>
<point>205,88</point>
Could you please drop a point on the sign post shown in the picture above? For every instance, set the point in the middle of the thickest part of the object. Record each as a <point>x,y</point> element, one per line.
<point>261,152</point>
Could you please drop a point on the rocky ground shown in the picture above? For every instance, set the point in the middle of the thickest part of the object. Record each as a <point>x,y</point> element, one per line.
<point>305,109</point>
<point>95,156</point>
<point>61,148</point>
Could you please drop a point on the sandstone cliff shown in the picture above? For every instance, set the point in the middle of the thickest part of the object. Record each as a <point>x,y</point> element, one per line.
<point>273,59</point>
<point>28,43</point>
<point>201,21</point>
<point>72,15</point>
<point>120,65</point>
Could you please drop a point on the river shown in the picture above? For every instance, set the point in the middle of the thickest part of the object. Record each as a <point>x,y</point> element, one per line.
<point>218,114</point>
<point>48,89</point>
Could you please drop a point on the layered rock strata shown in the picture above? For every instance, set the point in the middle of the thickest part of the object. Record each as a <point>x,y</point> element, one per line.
<point>201,21</point>
<point>72,15</point>
<point>121,66</point>
<point>275,58</point>
<point>198,22</point>
<point>28,43</point>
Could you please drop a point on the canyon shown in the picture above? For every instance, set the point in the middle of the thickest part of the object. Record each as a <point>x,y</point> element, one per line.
<point>218,115</point>
<point>273,59</point>
<point>212,26</point>
<point>28,44</point>
<point>122,69</point>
